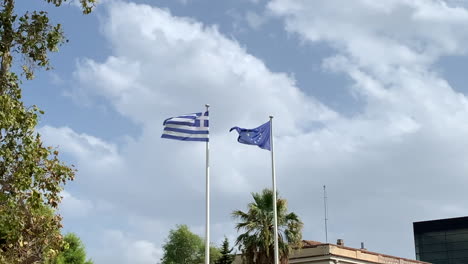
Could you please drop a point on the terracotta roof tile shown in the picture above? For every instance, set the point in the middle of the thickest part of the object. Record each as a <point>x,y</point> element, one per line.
<point>312,244</point>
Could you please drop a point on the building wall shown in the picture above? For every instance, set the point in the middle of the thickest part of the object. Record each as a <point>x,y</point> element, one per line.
<point>443,247</point>
<point>442,241</point>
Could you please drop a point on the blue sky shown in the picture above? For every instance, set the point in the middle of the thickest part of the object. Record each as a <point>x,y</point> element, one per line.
<point>368,97</point>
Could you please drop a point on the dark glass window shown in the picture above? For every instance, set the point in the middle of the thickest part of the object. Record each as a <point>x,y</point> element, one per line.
<point>442,241</point>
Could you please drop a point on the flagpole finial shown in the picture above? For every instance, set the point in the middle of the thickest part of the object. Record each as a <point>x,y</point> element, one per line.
<point>271,117</point>
<point>207,105</point>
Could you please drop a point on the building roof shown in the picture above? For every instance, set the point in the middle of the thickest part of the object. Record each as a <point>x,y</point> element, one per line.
<point>308,251</point>
<point>310,243</point>
<point>319,253</point>
<point>441,224</point>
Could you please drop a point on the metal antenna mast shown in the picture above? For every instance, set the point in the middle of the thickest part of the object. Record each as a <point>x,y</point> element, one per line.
<point>326,212</point>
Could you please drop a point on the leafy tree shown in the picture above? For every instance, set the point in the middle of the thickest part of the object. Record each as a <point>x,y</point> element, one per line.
<point>257,241</point>
<point>226,256</point>
<point>26,244</point>
<point>72,253</point>
<point>214,255</point>
<point>184,247</point>
<point>31,175</point>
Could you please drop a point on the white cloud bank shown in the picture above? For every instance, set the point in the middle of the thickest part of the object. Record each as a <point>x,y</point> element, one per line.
<point>118,247</point>
<point>401,159</point>
<point>407,141</point>
<point>71,206</point>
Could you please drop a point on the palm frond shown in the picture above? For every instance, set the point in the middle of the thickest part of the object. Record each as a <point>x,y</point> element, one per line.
<point>256,241</point>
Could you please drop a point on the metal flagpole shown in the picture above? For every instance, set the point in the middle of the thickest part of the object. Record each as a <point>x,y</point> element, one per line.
<point>273,175</point>
<point>207,227</point>
<point>326,213</point>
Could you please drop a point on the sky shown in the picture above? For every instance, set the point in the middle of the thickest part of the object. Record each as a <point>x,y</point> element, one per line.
<point>369,99</point>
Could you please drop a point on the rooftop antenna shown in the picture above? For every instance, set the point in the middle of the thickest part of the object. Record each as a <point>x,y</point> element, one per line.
<point>326,211</point>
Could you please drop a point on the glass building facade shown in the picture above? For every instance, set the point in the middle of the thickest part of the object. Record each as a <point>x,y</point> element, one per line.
<point>442,241</point>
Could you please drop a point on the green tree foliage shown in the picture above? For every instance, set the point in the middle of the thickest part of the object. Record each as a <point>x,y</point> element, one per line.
<point>72,253</point>
<point>87,5</point>
<point>31,175</point>
<point>184,247</point>
<point>226,256</point>
<point>257,224</point>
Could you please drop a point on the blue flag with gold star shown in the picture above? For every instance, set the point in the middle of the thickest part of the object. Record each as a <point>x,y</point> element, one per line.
<point>259,136</point>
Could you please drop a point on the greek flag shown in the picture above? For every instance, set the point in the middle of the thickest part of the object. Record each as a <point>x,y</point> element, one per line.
<point>190,127</point>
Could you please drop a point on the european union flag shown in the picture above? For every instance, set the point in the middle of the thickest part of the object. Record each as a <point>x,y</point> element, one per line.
<point>259,136</point>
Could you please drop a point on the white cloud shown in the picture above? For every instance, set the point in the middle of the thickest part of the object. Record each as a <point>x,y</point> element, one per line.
<point>225,74</point>
<point>255,20</point>
<point>457,3</point>
<point>379,164</point>
<point>412,123</point>
<point>73,207</point>
<point>82,146</point>
<point>399,27</point>
<point>168,66</point>
<point>119,248</point>
<point>56,79</point>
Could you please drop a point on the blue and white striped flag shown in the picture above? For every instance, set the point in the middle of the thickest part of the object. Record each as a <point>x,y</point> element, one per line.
<point>190,127</point>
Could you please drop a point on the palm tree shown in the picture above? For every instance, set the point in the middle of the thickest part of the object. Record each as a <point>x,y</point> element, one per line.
<point>257,241</point>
